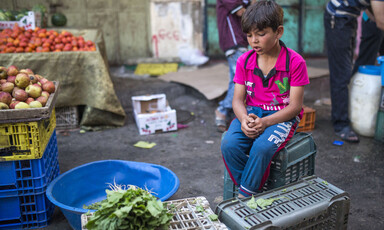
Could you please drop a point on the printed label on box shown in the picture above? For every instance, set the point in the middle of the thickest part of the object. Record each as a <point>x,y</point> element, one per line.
<point>28,22</point>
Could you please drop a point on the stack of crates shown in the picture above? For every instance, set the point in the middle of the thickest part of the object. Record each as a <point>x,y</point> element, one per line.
<point>28,163</point>
<point>310,203</point>
<point>294,161</point>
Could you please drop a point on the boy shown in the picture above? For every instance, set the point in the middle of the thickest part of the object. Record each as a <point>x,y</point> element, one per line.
<point>270,79</point>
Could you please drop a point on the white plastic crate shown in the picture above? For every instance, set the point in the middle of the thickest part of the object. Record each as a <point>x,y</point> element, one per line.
<point>188,214</point>
<point>67,117</point>
<point>310,203</point>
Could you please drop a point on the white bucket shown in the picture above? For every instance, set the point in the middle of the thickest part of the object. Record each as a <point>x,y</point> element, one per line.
<point>364,99</point>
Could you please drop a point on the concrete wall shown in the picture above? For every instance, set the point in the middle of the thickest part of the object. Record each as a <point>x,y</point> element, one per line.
<point>125,23</point>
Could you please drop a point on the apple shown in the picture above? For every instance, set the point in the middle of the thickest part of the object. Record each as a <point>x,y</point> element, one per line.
<point>5,97</point>
<point>35,104</point>
<point>22,80</point>
<point>27,71</point>
<point>3,106</point>
<point>33,78</point>
<point>12,70</point>
<point>33,90</point>
<point>43,100</point>
<point>49,86</point>
<point>45,94</point>
<point>14,90</point>
<point>21,95</point>
<point>43,80</point>
<point>29,100</point>
<point>7,87</point>
<point>13,104</point>
<point>22,105</point>
<point>38,77</point>
<point>11,79</point>
<point>3,72</point>
<point>3,81</point>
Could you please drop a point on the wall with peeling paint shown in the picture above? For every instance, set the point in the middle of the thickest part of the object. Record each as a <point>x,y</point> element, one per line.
<point>158,28</point>
<point>176,25</point>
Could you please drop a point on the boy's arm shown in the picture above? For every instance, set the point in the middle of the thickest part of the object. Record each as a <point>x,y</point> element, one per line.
<point>296,97</point>
<point>241,112</point>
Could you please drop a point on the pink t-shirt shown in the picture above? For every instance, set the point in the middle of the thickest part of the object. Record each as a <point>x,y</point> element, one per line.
<point>271,92</point>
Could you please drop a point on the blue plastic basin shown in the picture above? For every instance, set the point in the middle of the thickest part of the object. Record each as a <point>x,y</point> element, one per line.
<point>87,183</point>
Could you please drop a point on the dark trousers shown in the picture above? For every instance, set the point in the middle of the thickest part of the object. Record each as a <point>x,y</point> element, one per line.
<point>370,43</point>
<point>340,34</point>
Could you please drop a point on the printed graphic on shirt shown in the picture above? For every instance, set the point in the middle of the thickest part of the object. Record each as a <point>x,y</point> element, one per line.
<point>283,86</point>
<point>249,85</point>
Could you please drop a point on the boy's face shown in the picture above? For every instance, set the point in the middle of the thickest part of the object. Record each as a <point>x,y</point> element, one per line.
<point>263,41</point>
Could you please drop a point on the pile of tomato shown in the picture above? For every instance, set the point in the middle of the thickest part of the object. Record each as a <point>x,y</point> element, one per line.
<point>20,40</point>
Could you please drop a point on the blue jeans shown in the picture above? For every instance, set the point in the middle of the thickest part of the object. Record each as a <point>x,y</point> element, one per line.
<point>248,160</point>
<point>225,106</point>
<point>340,40</point>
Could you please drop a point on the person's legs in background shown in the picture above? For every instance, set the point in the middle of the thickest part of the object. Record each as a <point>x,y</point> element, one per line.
<point>371,41</point>
<point>340,37</point>
<point>224,109</point>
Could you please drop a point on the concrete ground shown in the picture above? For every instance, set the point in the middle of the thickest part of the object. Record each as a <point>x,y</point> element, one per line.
<point>193,153</point>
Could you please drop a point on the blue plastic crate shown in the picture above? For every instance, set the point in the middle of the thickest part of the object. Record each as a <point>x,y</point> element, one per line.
<point>30,176</point>
<point>25,212</point>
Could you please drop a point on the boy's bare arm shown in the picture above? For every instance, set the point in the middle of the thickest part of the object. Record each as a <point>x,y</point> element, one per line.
<point>293,109</point>
<point>241,112</point>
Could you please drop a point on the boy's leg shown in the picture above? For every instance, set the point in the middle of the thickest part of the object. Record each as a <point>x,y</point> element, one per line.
<point>235,147</point>
<point>225,106</point>
<point>271,141</point>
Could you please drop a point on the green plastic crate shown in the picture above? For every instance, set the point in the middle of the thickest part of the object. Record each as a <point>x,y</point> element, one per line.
<point>294,161</point>
<point>379,133</point>
<point>310,203</point>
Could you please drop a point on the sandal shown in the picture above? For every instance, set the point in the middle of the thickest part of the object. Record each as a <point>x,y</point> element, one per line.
<point>221,125</point>
<point>347,134</point>
<point>220,122</point>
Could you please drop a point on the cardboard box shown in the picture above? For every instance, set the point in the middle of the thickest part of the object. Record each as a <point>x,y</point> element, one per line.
<point>153,114</point>
<point>28,22</point>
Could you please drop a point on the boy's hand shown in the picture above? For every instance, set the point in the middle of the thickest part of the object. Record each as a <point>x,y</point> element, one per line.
<point>247,126</point>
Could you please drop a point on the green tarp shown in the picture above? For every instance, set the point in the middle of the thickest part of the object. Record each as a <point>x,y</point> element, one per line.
<point>83,76</point>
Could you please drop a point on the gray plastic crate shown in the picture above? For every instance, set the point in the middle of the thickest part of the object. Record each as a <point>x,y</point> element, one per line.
<point>310,203</point>
<point>67,117</point>
<point>294,161</point>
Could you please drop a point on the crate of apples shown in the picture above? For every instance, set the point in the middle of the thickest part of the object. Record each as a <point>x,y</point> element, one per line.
<point>20,40</point>
<point>23,89</point>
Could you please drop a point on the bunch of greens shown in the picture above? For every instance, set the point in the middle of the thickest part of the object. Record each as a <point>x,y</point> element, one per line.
<point>262,203</point>
<point>133,208</point>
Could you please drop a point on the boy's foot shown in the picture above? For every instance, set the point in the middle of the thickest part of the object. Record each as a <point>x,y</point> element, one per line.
<point>220,122</point>
<point>347,134</point>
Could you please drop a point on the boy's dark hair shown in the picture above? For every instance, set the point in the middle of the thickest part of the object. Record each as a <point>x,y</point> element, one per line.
<point>261,15</point>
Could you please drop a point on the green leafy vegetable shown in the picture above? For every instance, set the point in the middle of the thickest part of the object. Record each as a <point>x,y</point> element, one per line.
<point>133,208</point>
<point>252,203</point>
<point>262,203</point>
<point>200,208</point>
<point>213,217</point>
